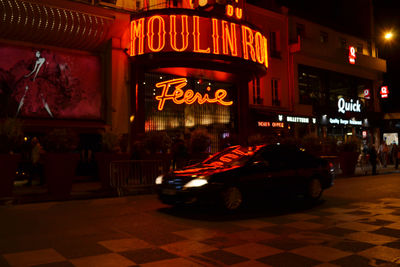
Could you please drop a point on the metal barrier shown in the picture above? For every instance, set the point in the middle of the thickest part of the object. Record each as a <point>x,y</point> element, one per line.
<point>135,174</point>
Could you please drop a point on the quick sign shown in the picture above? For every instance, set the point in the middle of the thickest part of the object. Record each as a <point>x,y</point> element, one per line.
<point>173,90</point>
<point>352,55</point>
<point>367,94</point>
<point>351,106</point>
<point>196,34</point>
<point>384,92</point>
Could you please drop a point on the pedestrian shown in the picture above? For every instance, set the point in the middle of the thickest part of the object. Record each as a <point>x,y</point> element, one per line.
<point>372,158</point>
<point>395,155</point>
<point>179,154</point>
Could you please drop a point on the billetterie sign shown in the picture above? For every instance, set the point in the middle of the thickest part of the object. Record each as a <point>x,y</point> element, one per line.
<point>197,34</point>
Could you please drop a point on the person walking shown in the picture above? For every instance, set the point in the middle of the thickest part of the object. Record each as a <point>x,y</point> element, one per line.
<point>372,158</point>
<point>395,155</point>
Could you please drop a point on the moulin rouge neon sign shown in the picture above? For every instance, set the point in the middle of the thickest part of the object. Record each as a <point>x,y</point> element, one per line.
<point>196,34</point>
<point>178,96</point>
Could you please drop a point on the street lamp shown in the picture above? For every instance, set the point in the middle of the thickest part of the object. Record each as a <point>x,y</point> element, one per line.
<point>388,36</point>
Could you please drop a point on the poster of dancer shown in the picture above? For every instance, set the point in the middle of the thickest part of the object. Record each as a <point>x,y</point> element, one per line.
<point>41,83</point>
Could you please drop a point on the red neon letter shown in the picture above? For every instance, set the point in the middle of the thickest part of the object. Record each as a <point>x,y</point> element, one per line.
<point>184,32</point>
<point>196,36</point>
<point>259,47</point>
<point>229,10</point>
<point>181,82</point>
<point>239,13</point>
<point>248,39</point>
<point>161,33</point>
<point>215,36</point>
<point>137,31</point>
<point>229,38</point>
<point>265,51</point>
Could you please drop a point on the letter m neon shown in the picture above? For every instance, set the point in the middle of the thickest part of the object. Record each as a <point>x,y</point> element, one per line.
<point>137,36</point>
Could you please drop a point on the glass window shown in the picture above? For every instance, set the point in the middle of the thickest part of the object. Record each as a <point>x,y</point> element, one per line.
<point>276,92</point>
<point>177,118</point>
<point>343,43</point>
<point>300,30</point>
<point>323,37</point>
<point>274,45</point>
<point>359,48</point>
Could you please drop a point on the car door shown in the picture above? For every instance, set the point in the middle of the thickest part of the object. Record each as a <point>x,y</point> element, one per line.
<point>271,171</point>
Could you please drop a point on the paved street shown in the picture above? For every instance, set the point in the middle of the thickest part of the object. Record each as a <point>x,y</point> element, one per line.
<point>356,224</point>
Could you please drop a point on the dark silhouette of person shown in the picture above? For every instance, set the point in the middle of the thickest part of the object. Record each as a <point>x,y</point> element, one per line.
<point>373,158</point>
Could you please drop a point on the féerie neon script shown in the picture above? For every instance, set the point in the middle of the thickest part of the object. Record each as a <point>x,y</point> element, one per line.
<point>178,96</point>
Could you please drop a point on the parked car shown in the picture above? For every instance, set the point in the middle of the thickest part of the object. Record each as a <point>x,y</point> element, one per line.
<point>238,172</point>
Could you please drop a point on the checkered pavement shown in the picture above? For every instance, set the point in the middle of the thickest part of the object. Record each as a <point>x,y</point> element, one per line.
<point>359,234</point>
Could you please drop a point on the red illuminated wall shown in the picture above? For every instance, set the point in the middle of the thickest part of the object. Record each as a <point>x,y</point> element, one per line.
<point>49,84</point>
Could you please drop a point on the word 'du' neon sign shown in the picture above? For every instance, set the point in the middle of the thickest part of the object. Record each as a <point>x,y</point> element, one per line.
<point>196,34</point>
<point>178,96</point>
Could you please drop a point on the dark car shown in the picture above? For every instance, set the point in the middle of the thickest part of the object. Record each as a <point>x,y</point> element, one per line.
<point>238,172</point>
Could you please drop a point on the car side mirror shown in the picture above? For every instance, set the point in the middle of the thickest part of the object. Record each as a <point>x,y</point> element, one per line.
<point>260,163</point>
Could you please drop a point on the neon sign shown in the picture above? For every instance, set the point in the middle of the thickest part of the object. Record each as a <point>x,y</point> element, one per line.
<point>352,55</point>
<point>384,92</point>
<point>271,124</point>
<point>344,122</point>
<point>367,94</point>
<point>196,34</point>
<point>178,96</point>
<point>344,106</point>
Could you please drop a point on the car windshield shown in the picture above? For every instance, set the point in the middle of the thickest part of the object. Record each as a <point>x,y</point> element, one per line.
<point>232,156</point>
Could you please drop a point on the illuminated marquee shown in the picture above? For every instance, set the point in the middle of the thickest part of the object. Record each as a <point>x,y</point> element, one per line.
<point>271,124</point>
<point>178,96</point>
<point>196,34</point>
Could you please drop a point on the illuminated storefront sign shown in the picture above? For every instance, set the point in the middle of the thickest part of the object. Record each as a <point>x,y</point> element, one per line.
<point>352,55</point>
<point>178,96</point>
<point>384,92</point>
<point>344,122</point>
<point>296,119</point>
<point>367,94</point>
<point>351,106</point>
<point>196,34</point>
<point>271,124</point>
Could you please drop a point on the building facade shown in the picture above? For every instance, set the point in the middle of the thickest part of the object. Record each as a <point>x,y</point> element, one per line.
<point>134,67</point>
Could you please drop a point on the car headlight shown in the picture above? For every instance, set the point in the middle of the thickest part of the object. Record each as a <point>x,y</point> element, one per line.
<point>195,183</point>
<point>159,179</point>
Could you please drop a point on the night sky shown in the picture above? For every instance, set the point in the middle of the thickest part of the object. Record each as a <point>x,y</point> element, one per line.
<point>387,17</point>
<point>353,17</point>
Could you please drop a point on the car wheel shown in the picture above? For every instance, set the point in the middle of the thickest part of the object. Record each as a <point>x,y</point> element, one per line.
<point>314,189</point>
<point>232,198</point>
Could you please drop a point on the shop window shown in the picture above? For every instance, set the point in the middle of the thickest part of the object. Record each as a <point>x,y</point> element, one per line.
<point>177,119</point>
<point>323,37</point>
<point>276,92</point>
<point>274,44</point>
<point>257,100</point>
<point>300,30</point>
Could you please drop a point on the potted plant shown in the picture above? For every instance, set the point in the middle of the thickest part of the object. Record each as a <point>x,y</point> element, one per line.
<point>157,145</point>
<point>11,138</point>
<point>60,162</point>
<point>348,156</point>
<point>110,151</point>
<point>200,141</point>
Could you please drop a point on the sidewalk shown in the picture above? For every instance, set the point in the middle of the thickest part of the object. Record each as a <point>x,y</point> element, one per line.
<point>93,189</point>
<point>368,171</point>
